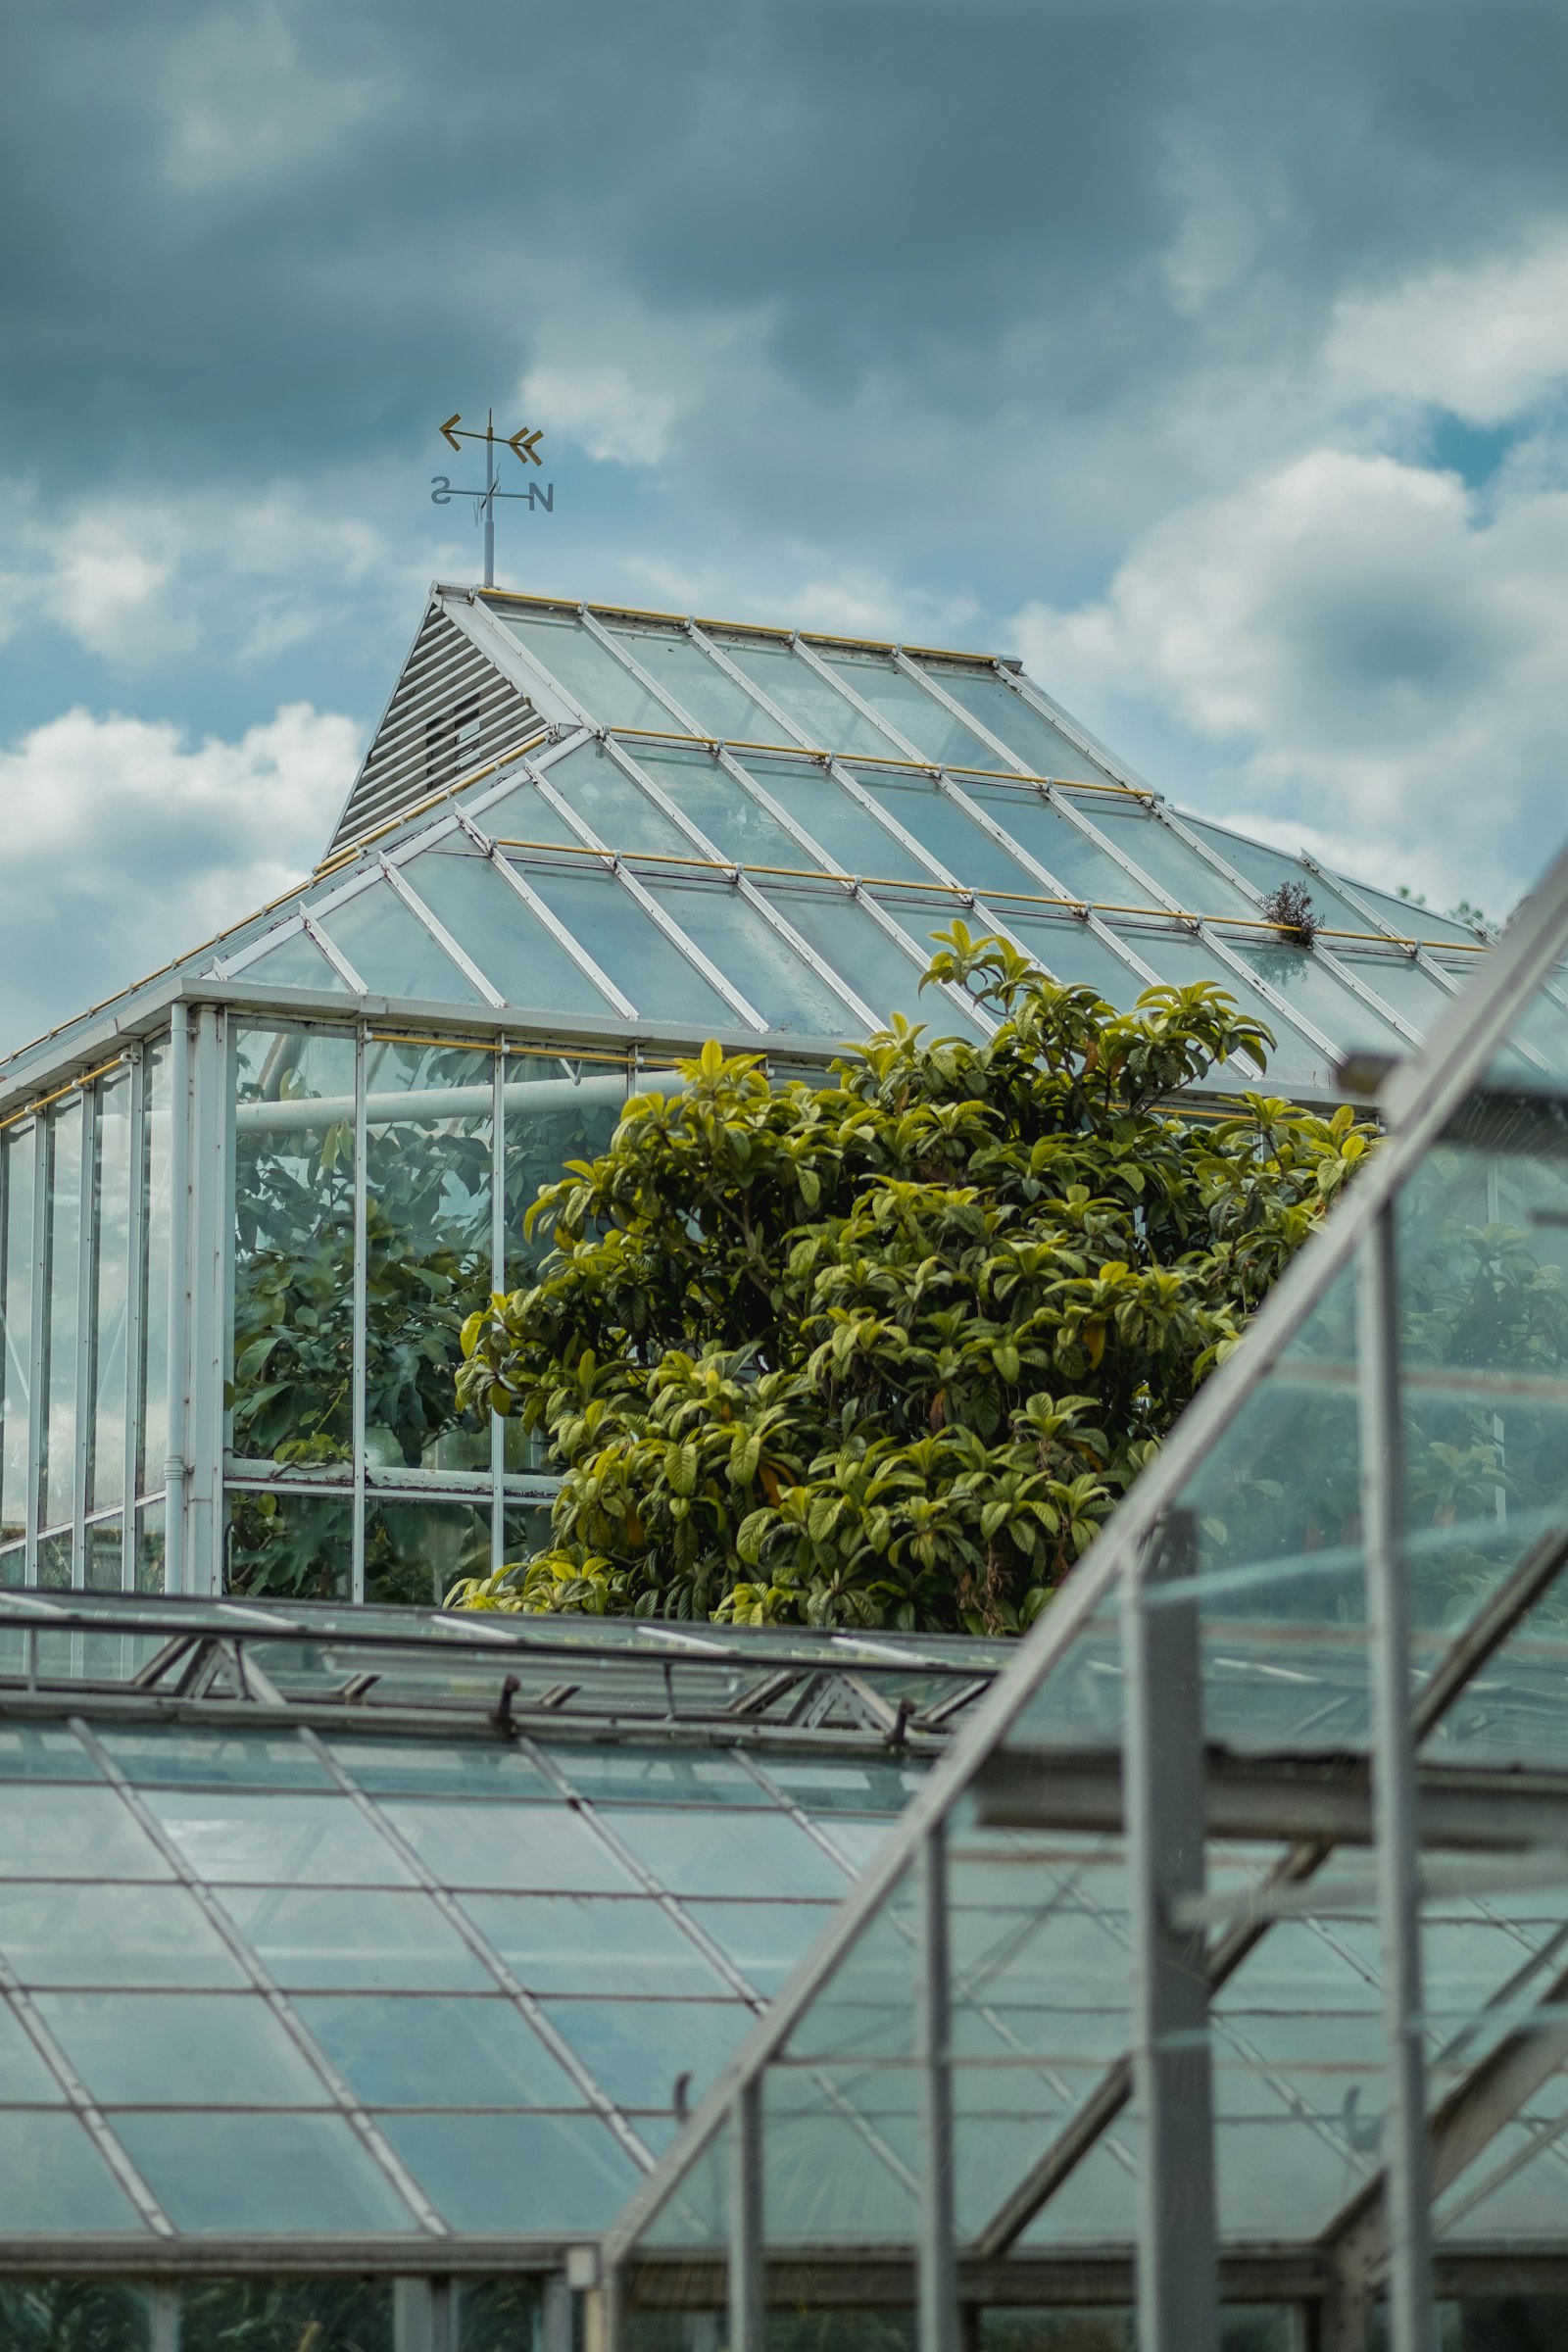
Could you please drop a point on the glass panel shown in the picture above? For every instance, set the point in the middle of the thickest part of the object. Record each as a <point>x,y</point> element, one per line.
<point>285,2315</point>
<point>179,2049</point>
<point>415,1553</point>
<point>292,1357</point>
<point>41,1752</point>
<point>555,1114</point>
<point>647,967</point>
<point>905,704</point>
<point>658,1777</point>
<point>391,949</point>
<point>655,2054</point>
<point>62,1295</point>
<point>473,2168</point>
<point>516,950</point>
<point>25,2079</point>
<point>106,1471</point>
<point>845,1785</point>
<point>290,1547</point>
<point>17,1164</point>
<point>56,2181</point>
<point>735,823</point>
<point>824,716</point>
<point>1401,983</point>
<point>1181,959</point>
<point>106,1553</point>
<point>279,1839</point>
<point>1267,867</point>
<point>39,2315</point>
<point>691,677</point>
<point>1043,748</point>
<point>319,1940</point>
<point>1071,952</point>
<point>550,1848</point>
<point>594,783</point>
<point>854,839</point>
<point>586,1944</point>
<point>1305,981</point>
<point>154,1431</point>
<point>453,1768</point>
<point>1076,866</point>
<point>728,1854</point>
<point>883,977</point>
<point>173,1756</point>
<point>763,1940</point>
<point>310,2174</point>
<point>150,1547</point>
<point>427,1256</point>
<point>732,933</point>
<point>112,1935</point>
<point>74,1833</point>
<point>54,1562</point>
<point>1166,858</point>
<point>296,963</point>
<point>598,683</point>
<point>406,2050</point>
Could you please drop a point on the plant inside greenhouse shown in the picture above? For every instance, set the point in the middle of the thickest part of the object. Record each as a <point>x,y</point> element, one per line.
<point>888,1351</point>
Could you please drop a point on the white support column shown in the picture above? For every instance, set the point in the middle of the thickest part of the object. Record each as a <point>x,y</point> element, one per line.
<point>208,1257</point>
<point>1162,1778</point>
<point>1396,1852</point>
<point>423,2315</point>
<point>176,1466</point>
<point>87,1332</point>
<point>748,2296</point>
<point>360,1310</point>
<point>498,1282</point>
<point>135,1271</point>
<point>937,2287</point>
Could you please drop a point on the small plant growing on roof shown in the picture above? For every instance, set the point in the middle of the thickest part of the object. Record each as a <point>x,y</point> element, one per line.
<point>1289,906</point>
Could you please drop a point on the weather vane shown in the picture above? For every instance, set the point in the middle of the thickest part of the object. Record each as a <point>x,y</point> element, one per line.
<point>524,446</point>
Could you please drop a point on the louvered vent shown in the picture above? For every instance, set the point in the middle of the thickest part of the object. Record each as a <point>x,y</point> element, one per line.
<point>451,713</point>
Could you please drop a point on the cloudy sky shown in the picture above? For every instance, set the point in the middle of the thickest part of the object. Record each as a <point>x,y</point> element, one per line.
<point>1213,358</point>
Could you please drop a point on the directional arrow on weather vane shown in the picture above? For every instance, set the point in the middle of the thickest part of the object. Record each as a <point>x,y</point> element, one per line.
<point>445,429</point>
<point>522,442</point>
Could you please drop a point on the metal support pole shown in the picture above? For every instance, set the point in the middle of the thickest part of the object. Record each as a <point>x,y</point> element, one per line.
<point>1396,1850</point>
<point>163,2306</point>
<point>938,2272</point>
<point>747,2301</point>
<point>360,1310</point>
<point>206,1240</point>
<point>135,1271</point>
<point>490,500</point>
<point>86,1367</point>
<point>498,1282</point>
<point>37,1306</point>
<point>176,1470</point>
<point>554,2315</point>
<point>422,2316</point>
<point>1178,2281</point>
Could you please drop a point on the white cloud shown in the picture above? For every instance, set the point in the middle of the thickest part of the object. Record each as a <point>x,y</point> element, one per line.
<point>1364,655</point>
<point>1487,341</point>
<point>626,386</point>
<point>127,843</point>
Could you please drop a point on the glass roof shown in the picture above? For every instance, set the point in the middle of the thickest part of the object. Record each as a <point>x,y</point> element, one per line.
<point>702,829</point>
<point>448,1920</point>
<point>1249,1550</point>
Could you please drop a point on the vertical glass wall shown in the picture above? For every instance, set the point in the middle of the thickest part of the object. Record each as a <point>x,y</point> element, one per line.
<point>380,1186</point>
<point>84,1273</point>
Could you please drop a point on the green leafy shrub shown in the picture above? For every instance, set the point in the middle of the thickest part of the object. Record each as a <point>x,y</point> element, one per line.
<point>887,1351</point>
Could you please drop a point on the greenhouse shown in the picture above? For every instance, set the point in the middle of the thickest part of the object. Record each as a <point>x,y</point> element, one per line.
<point>245,1205</point>
<point>373,1979</point>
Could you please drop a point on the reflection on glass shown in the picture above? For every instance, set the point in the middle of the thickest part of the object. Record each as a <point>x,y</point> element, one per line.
<point>393,952</point>
<point>150,1547</point>
<point>646,965</point>
<point>918,716</point>
<point>827,718</point>
<point>602,686</point>
<point>36,2314</point>
<point>289,1547</point>
<point>1043,747</point>
<point>153,1436</point>
<point>415,1553</point>
<point>111,1200</point>
<point>282,2315</point>
<point>730,930</point>
<point>691,677</point>
<point>297,963</point>
<point>62,1302</point>
<point>106,1555</point>
<point>261,2174</point>
<point>18,1155</point>
<point>292,1378</point>
<point>427,1252</point>
<point>514,948</point>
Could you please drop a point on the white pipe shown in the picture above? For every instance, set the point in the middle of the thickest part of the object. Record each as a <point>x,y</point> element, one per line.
<point>426,1104</point>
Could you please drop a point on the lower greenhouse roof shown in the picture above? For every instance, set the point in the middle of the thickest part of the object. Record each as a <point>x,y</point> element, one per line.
<point>404,1942</point>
